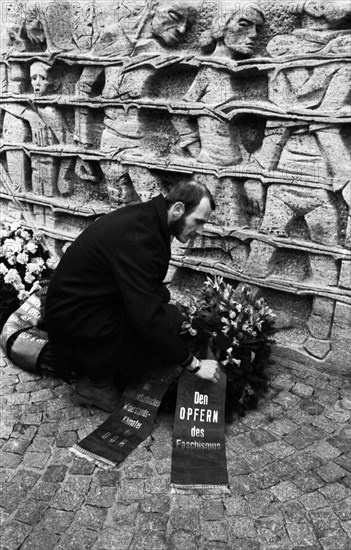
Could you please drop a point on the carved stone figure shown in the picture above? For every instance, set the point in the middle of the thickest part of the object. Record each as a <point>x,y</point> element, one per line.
<point>49,175</point>
<point>306,151</point>
<point>315,149</point>
<point>22,124</point>
<point>163,24</point>
<point>233,36</point>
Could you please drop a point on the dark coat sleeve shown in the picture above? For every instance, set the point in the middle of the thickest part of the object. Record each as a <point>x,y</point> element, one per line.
<point>139,265</point>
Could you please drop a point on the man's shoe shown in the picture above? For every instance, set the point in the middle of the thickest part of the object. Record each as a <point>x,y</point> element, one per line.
<point>100,393</point>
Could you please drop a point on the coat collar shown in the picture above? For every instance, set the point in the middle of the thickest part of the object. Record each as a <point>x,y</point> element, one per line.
<point>159,204</point>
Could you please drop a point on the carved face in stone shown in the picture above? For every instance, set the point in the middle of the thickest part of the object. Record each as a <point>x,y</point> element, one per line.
<point>242,30</point>
<point>39,77</point>
<point>170,20</point>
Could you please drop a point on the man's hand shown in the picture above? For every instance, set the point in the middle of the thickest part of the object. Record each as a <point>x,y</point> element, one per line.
<point>209,370</point>
<point>40,131</point>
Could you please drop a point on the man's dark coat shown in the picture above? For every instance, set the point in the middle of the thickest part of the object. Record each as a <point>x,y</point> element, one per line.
<point>106,307</point>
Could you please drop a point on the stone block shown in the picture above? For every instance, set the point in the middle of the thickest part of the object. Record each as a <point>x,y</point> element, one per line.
<point>118,538</point>
<point>55,473</point>
<point>215,531</point>
<point>123,514</point>
<point>186,520</point>
<point>56,521</point>
<point>345,274</point>
<point>39,540</point>
<point>331,472</point>
<point>30,511</point>
<point>318,348</point>
<point>156,503</point>
<point>80,466</point>
<point>285,490</point>
<point>13,535</point>
<point>242,528</point>
<point>212,510</point>
<point>78,538</point>
<point>343,509</point>
<point>183,540</point>
<point>91,517</point>
<point>153,539</point>
<point>302,390</point>
<point>301,533</point>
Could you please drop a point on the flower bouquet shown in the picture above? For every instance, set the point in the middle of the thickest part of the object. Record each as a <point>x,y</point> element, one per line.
<point>239,331</point>
<point>24,266</point>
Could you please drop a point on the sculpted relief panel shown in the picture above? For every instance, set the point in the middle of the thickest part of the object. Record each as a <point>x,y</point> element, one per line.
<point>104,103</point>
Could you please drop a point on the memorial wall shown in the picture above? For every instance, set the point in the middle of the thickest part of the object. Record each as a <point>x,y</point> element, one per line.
<point>108,103</point>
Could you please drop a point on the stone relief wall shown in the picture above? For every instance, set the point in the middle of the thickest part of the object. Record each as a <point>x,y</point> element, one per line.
<point>104,103</point>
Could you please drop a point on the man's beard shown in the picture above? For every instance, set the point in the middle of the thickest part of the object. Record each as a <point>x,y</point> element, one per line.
<point>176,226</point>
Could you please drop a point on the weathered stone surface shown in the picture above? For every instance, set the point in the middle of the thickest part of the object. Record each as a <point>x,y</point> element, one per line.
<point>279,171</point>
<point>183,540</point>
<point>55,473</point>
<point>56,521</point>
<point>40,539</point>
<point>30,511</point>
<point>78,538</point>
<point>14,533</point>
<point>118,538</point>
<point>101,496</point>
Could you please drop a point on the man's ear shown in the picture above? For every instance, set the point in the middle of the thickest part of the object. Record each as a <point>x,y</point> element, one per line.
<point>178,210</point>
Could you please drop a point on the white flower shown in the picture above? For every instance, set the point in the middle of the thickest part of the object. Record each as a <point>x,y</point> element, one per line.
<point>217,283</point>
<point>32,268</point>
<point>28,278</point>
<point>11,247</point>
<point>12,277</point>
<point>23,295</point>
<point>39,262</point>
<point>51,263</point>
<point>3,269</point>
<point>192,331</point>
<point>22,258</point>
<point>31,247</point>
<point>25,235</point>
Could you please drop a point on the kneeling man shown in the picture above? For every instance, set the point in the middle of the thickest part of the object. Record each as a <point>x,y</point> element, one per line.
<point>107,311</point>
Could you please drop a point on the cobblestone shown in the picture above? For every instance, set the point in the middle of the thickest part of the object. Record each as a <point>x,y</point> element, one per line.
<point>289,465</point>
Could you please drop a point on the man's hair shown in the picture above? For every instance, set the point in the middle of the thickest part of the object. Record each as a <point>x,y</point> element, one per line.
<point>190,193</point>
<point>226,13</point>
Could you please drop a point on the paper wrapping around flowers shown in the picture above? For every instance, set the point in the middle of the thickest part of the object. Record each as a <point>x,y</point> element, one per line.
<point>25,348</point>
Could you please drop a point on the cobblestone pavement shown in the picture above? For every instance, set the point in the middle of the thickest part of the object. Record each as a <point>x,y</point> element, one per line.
<point>289,467</point>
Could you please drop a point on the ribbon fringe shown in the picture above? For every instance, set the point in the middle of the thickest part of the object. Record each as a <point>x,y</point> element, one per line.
<point>98,460</point>
<point>200,489</point>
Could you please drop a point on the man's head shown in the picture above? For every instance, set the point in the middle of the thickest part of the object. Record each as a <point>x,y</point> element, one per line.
<point>190,205</point>
<point>39,77</point>
<point>169,19</point>
<point>238,27</point>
